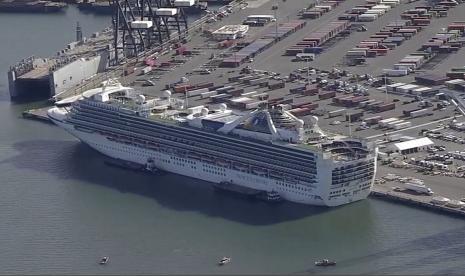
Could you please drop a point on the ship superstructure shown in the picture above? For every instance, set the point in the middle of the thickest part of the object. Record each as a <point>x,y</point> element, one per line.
<point>267,149</point>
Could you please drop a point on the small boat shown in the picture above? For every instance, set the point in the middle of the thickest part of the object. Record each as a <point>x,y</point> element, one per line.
<point>325,262</point>
<point>270,196</point>
<point>224,260</point>
<point>104,260</point>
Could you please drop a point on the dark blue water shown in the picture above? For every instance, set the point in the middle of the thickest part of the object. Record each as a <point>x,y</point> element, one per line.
<point>61,208</point>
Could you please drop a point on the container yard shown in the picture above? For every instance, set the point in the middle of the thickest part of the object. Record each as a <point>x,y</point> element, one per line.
<point>418,44</point>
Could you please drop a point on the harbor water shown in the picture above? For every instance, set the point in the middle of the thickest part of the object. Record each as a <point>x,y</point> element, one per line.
<point>62,208</point>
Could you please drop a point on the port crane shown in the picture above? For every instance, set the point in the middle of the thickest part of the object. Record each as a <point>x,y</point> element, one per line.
<point>141,25</point>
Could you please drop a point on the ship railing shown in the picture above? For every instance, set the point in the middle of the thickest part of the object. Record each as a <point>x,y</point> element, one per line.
<point>98,124</point>
<point>188,136</point>
<point>190,132</point>
<point>156,131</point>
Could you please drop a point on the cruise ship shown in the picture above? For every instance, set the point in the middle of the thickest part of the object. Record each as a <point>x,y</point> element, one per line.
<point>267,149</point>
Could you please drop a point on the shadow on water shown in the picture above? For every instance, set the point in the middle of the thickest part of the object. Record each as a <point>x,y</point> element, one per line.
<point>444,249</point>
<point>74,160</point>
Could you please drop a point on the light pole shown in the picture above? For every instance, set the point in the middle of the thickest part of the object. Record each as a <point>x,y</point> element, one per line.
<point>275,8</point>
<point>350,125</point>
<point>385,87</point>
<point>308,71</point>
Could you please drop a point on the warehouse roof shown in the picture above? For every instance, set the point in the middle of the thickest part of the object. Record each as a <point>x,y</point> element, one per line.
<point>421,142</point>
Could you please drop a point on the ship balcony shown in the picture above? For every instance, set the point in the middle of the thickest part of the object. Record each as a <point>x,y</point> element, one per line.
<point>350,171</point>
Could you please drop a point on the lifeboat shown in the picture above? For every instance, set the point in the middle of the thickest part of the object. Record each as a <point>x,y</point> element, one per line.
<point>241,166</point>
<point>222,162</point>
<point>208,159</point>
<point>193,155</point>
<point>259,171</point>
<point>276,175</point>
<point>153,145</point>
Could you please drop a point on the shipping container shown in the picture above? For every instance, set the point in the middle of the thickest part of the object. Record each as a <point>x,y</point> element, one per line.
<point>395,73</point>
<point>296,90</point>
<point>354,117</point>
<point>402,125</point>
<point>385,107</point>
<point>277,85</point>
<point>196,92</point>
<point>420,113</point>
<point>184,3</point>
<point>208,94</point>
<point>146,70</point>
<point>327,95</point>
<point>220,98</point>
<point>166,12</point>
<point>393,123</point>
<point>383,123</point>
<point>336,113</point>
<point>253,105</point>
<point>372,120</point>
<point>365,103</point>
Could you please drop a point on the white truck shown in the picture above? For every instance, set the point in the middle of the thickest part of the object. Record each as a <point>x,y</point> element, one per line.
<point>419,188</point>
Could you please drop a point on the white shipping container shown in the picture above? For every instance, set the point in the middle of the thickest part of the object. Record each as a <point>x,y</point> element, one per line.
<point>367,17</point>
<point>166,12</point>
<point>379,12</point>
<point>356,53</point>
<point>381,7</point>
<point>184,3</point>
<point>324,7</point>
<point>141,24</point>
<point>393,123</point>
<point>393,87</point>
<point>196,92</point>
<point>408,66</point>
<point>195,109</point>
<point>249,93</point>
<point>395,73</point>
<point>336,113</point>
<point>384,122</point>
<point>146,70</point>
<point>422,90</point>
<point>402,125</point>
<point>407,88</point>
<point>389,3</point>
<point>359,9</point>
<point>419,113</point>
<point>208,94</point>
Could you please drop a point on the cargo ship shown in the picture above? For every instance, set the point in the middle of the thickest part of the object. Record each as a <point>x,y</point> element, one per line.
<point>267,149</point>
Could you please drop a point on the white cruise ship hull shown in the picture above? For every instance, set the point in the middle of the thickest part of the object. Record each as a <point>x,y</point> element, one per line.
<point>216,174</point>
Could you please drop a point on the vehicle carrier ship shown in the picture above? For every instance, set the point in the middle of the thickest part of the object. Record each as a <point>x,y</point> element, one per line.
<point>267,149</point>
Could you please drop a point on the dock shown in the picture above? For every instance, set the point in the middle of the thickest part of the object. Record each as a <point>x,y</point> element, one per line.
<point>39,114</point>
<point>420,201</point>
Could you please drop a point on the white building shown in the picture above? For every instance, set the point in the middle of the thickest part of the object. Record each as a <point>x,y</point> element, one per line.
<point>230,32</point>
<point>412,146</point>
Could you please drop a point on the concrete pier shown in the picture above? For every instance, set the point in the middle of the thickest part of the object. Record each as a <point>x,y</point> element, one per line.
<point>421,201</point>
<point>39,114</point>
